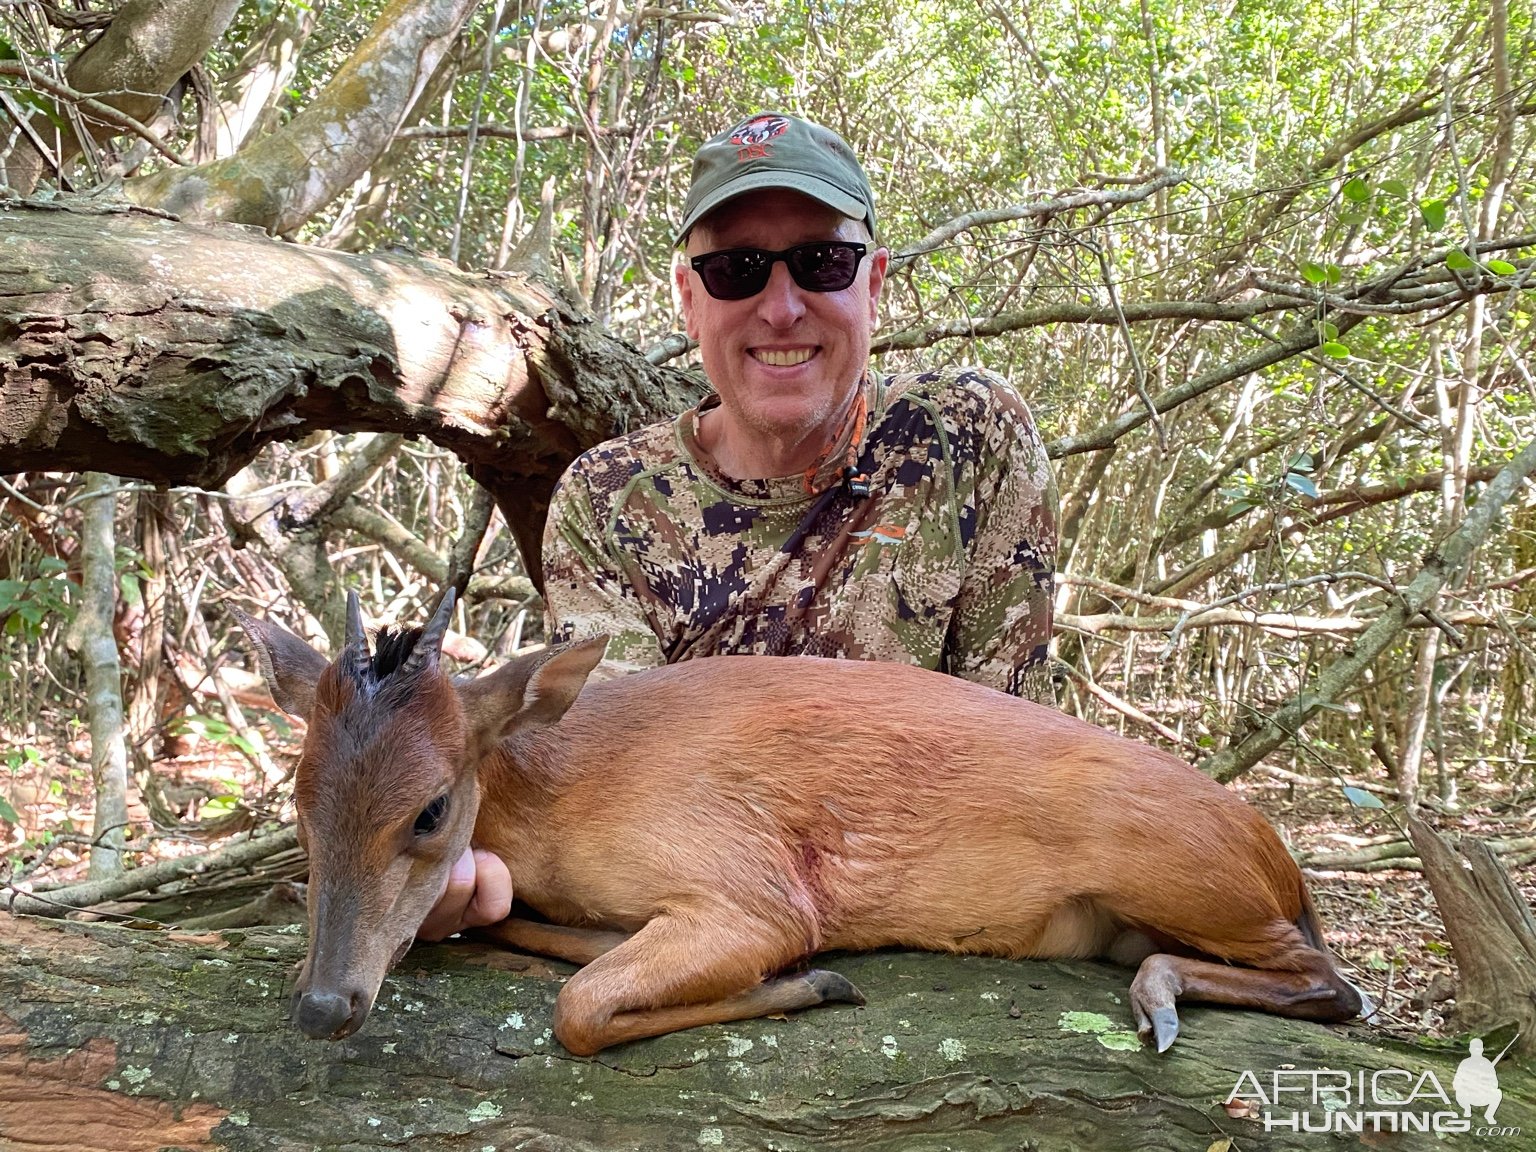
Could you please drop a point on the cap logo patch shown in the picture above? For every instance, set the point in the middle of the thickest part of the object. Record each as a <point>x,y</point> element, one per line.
<point>752,137</point>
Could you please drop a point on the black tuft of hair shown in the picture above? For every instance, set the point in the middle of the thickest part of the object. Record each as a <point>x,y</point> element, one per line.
<point>391,649</point>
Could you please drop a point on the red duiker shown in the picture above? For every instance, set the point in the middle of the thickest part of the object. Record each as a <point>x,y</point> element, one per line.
<point>693,831</point>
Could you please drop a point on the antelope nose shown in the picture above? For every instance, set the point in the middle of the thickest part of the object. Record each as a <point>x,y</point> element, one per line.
<point>323,1015</point>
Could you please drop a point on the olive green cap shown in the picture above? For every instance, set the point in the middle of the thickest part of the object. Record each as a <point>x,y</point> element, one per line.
<point>776,150</point>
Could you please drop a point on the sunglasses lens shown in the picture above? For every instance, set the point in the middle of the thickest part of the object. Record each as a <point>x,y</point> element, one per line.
<point>736,274</point>
<point>824,267</point>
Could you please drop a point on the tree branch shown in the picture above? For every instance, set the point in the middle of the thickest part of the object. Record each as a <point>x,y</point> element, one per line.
<point>1067,202</point>
<point>508,132</point>
<point>1439,567</point>
<point>281,180</point>
<point>90,106</point>
<point>241,853</point>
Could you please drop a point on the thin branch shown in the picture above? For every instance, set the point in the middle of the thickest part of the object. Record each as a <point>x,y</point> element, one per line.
<point>1289,625</point>
<point>320,500</point>
<point>1439,566</point>
<point>1139,371</point>
<point>505,132</point>
<point>1068,202</point>
<point>59,901</point>
<point>103,112</point>
<point>1124,707</point>
<point>24,122</point>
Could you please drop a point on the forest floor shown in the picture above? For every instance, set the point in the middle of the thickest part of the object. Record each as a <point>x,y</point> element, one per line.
<point>1383,924</point>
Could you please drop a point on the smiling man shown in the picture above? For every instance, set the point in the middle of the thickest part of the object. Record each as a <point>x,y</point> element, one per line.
<point>809,506</point>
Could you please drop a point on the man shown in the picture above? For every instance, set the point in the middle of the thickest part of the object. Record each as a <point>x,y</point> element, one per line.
<point>809,506</point>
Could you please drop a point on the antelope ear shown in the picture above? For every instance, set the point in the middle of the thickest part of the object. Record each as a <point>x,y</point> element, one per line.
<point>557,681</point>
<point>288,665</point>
<point>532,691</point>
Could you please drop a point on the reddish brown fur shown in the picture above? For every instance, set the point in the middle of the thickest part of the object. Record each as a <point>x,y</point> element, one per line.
<point>789,807</point>
<point>861,815</point>
<point>740,814</point>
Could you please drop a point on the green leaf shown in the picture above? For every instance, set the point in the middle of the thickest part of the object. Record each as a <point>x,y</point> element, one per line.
<point>1351,216</point>
<point>220,806</point>
<point>1301,462</point>
<point>1356,191</point>
<point>1336,350</point>
<point>1394,188</point>
<point>1301,484</point>
<point>1433,212</point>
<point>1335,274</point>
<point>7,813</point>
<point>1502,268</point>
<point>1313,273</point>
<point>1238,507</point>
<point>1329,331</point>
<point>1360,798</point>
<point>1459,261</point>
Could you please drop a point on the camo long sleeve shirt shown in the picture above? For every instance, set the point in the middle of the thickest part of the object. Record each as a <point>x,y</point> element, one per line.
<point>948,563</point>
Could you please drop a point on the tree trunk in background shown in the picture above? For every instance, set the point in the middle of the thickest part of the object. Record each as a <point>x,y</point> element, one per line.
<point>1492,934</point>
<point>250,96</point>
<point>97,646</point>
<point>182,1039</point>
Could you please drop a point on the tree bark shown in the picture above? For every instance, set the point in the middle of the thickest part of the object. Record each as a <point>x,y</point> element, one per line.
<point>182,1039</point>
<point>94,639</point>
<point>1492,934</point>
<point>173,352</point>
<point>281,180</point>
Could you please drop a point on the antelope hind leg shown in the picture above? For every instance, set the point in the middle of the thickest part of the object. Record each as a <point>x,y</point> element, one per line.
<point>678,973</point>
<point>1316,992</point>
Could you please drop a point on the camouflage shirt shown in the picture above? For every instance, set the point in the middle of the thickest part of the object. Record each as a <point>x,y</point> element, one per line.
<point>948,562</point>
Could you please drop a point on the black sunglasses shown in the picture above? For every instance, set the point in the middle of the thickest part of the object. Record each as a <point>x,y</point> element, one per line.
<point>821,266</point>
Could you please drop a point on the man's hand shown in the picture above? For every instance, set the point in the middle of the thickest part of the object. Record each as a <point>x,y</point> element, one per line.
<point>478,892</point>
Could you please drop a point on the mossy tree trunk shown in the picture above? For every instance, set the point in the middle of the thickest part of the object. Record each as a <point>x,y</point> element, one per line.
<point>137,345</point>
<point>182,1041</point>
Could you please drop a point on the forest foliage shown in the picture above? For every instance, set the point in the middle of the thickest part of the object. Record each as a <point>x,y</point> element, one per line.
<point>1262,268</point>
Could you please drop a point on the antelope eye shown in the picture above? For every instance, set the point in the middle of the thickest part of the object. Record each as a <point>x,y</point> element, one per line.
<point>431,816</point>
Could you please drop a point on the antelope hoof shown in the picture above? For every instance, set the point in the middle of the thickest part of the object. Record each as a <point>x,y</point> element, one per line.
<point>833,988</point>
<point>1160,1026</point>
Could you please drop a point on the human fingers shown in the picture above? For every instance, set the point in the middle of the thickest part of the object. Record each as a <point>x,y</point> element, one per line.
<point>447,915</point>
<point>492,900</point>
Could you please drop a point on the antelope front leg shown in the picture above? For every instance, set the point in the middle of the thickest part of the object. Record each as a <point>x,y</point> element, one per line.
<point>578,945</point>
<point>679,972</point>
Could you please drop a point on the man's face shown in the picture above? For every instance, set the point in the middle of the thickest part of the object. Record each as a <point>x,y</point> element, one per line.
<point>786,360</point>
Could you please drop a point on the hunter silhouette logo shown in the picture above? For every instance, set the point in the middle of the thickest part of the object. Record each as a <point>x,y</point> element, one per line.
<point>1476,1083</point>
<point>751,137</point>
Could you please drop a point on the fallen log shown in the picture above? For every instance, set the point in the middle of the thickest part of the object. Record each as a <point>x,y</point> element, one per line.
<point>123,1039</point>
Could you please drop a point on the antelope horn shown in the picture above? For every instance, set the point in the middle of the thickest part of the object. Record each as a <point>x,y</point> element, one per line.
<point>355,650</point>
<point>429,647</point>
